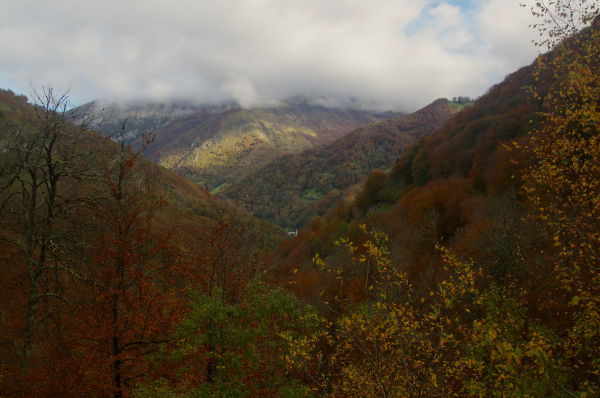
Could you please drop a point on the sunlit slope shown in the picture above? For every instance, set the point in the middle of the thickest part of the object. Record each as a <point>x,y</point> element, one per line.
<point>215,147</point>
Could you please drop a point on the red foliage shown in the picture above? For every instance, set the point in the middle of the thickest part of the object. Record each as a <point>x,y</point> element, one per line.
<point>116,306</point>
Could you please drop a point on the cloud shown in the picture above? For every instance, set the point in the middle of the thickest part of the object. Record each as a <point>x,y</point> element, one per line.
<point>507,34</point>
<point>397,54</point>
<point>242,90</point>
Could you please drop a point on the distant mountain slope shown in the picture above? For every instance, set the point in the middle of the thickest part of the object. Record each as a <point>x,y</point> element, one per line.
<point>217,146</point>
<point>286,190</point>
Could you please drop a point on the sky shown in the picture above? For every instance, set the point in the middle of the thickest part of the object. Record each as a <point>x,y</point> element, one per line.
<point>378,54</point>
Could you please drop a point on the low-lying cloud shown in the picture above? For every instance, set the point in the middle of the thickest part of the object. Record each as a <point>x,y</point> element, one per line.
<point>382,54</point>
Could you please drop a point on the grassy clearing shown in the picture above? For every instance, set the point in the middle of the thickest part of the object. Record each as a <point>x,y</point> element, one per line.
<point>459,106</point>
<point>381,209</point>
<point>220,187</point>
<point>312,192</point>
<point>385,208</point>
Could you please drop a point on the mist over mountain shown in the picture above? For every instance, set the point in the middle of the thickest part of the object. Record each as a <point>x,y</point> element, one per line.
<point>139,116</point>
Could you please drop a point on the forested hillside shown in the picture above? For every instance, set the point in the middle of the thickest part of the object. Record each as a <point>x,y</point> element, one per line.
<point>180,194</point>
<point>486,264</point>
<point>469,146</point>
<point>468,157</point>
<point>294,188</point>
<point>217,146</point>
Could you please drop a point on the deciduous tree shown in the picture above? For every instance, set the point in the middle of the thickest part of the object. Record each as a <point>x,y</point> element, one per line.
<point>128,303</point>
<point>47,159</point>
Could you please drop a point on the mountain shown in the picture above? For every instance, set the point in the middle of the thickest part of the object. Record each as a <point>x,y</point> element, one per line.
<point>295,187</point>
<point>473,145</point>
<point>503,200</point>
<point>217,145</point>
<point>458,186</point>
<point>178,192</point>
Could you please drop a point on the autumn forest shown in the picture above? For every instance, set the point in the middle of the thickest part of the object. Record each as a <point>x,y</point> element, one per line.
<point>450,252</point>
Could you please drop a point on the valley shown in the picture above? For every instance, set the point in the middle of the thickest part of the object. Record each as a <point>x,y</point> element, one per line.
<point>184,250</point>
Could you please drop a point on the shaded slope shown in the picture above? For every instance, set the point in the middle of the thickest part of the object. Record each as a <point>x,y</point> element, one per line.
<point>178,191</point>
<point>473,144</point>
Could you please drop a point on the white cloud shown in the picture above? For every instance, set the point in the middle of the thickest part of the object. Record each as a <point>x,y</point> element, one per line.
<point>507,34</point>
<point>400,54</point>
<point>242,90</point>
